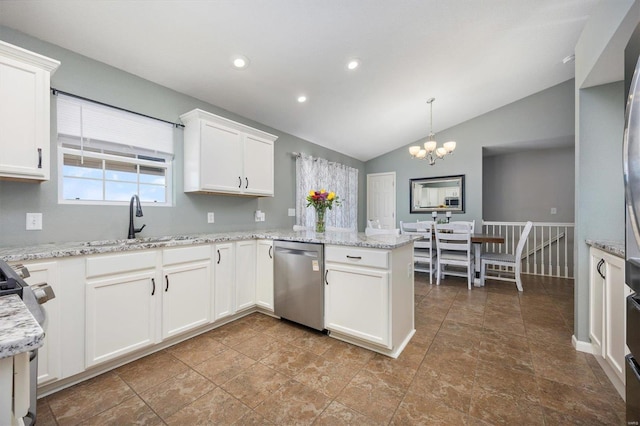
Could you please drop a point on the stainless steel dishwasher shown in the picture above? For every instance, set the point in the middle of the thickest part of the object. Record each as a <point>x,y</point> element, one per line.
<point>298,282</point>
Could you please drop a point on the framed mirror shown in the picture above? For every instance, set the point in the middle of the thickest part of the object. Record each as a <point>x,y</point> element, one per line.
<point>440,194</point>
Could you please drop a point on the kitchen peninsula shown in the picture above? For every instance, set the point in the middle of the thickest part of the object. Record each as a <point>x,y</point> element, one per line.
<point>119,300</point>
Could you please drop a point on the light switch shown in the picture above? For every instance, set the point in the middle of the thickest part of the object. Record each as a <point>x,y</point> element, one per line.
<point>210,217</point>
<point>34,221</point>
<point>554,210</point>
<point>292,212</point>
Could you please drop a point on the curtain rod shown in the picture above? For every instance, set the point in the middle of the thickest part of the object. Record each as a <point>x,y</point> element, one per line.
<point>56,91</point>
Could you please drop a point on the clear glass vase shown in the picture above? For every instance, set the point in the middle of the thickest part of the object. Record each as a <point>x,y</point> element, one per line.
<point>320,226</point>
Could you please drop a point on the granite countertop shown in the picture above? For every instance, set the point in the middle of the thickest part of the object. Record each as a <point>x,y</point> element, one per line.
<point>19,330</point>
<point>615,248</point>
<point>55,250</point>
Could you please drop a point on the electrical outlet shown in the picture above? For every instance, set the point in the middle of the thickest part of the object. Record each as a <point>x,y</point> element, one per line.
<point>292,212</point>
<point>34,221</point>
<point>210,218</point>
<point>554,210</point>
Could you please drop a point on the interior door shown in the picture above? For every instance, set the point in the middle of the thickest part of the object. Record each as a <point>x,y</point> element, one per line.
<point>381,198</point>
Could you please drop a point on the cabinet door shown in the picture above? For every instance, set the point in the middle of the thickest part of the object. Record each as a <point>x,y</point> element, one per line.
<point>121,315</point>
<point>264,275</point>
<point>24,120</point>
<point>49,361</point>
<point>596,303</point>
<point>368,319</point>
<point>220,158</point>
<point>186,297</point>
<point>258,166</point>
<point>616,315</point>
<point>224,279</point>
<point>245,274</point>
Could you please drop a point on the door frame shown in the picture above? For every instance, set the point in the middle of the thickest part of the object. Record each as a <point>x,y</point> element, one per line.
<point>369,192</point>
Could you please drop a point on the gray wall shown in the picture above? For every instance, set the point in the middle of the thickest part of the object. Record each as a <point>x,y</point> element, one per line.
<point>599,126</point>
<point>525,186</point>
<point>547,115</point>
<point>94,80</point>
<point>599,184</point>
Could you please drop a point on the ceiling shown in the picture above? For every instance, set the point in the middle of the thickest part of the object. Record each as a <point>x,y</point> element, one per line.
<point>472,56</point>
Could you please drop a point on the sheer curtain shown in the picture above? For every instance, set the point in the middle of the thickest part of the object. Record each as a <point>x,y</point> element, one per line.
<point>318,173</point>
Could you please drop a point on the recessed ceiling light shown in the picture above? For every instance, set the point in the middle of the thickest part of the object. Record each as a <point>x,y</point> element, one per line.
<point>240,62</point>
<point>353,64</point>
<point>302,98</point>
<point>568,59</point>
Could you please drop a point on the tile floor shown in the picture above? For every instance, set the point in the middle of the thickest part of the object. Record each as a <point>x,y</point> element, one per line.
<point>485,356</point>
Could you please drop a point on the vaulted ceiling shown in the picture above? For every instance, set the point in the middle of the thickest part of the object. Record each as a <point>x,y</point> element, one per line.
<point>472,56</point>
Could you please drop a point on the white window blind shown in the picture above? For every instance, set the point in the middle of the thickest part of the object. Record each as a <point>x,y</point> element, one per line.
<point>89,121</point>
<point>107,155</point>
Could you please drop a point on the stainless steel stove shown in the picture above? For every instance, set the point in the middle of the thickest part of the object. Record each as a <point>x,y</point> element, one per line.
<point>12,281</point>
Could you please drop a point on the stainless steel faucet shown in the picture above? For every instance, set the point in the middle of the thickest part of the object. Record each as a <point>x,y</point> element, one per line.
<point>132,229</point>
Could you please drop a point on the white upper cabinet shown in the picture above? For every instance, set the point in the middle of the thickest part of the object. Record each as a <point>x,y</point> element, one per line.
<point>24,113</point>
<point>222,156</point>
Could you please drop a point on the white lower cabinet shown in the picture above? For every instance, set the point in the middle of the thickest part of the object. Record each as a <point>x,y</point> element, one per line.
<point>369,296</point>
<point>49,357</point>
<point>368,319</point>
<point>121,314</point>
<point>224,280</point>
<point>607,311</point>
<point>245,274</point>
<point>264,275</point>
<point>186,289</point>
<point>234,277</point>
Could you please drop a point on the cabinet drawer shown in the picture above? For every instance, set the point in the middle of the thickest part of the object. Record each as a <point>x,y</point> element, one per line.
<point>120,263</point>
<point>357,256</point>
<point>171,256</point>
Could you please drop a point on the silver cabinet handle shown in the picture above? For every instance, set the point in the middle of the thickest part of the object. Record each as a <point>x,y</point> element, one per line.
<point>326,272</point>
<point>270,251</point>
<point>39,158</point>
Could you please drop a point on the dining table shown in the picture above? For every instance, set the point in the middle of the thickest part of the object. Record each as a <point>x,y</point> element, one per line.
<point>476,240</point>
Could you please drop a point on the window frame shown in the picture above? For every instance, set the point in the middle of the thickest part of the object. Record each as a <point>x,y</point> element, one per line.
<point>126,157</point>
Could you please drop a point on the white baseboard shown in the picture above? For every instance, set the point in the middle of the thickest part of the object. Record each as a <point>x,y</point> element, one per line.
<point>581,346</point>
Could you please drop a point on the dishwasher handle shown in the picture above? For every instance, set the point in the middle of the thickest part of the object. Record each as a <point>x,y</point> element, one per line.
<point>296,252</point>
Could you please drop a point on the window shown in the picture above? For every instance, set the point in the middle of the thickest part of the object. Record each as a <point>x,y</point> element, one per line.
<point>318,173</point>
<point>106,155</point>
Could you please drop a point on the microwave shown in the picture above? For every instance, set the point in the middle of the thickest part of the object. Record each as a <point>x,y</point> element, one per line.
<point>452,201</point>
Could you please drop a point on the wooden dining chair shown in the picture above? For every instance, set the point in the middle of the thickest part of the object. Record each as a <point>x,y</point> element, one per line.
<point>424,254</point>
<point>512,262</point>
<point>453,243</point>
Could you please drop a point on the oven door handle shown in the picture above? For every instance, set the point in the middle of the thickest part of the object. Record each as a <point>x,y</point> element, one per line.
<point>633,366</point>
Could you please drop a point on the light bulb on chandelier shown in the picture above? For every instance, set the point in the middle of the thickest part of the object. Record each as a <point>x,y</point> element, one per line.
<point>431,152</point>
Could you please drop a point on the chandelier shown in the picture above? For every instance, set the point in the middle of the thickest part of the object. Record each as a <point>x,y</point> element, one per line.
<point>431,152</point>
